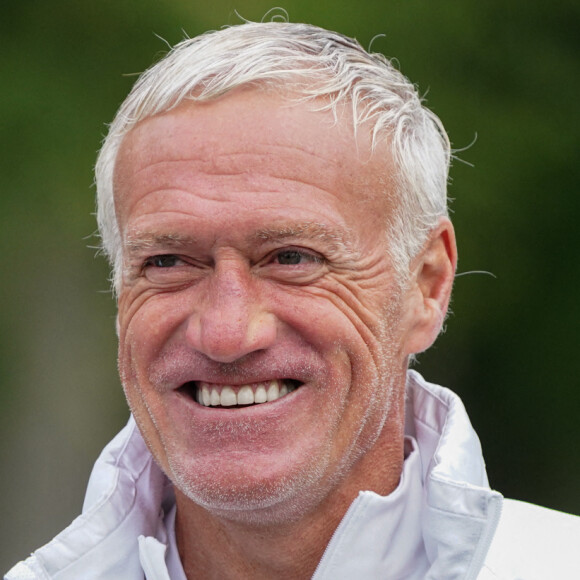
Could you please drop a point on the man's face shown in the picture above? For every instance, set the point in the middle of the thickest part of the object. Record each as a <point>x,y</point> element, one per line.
<point>256,262</point>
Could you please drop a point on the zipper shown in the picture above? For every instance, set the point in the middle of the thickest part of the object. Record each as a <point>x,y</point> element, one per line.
<point>484,544</point>
<point>152,557</point>
<point>350,514</point>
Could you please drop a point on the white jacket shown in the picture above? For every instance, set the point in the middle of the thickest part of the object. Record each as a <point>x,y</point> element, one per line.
<point>469,531</point>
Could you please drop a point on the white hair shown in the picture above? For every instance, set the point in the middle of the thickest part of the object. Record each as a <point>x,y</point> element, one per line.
<point>311,63</point>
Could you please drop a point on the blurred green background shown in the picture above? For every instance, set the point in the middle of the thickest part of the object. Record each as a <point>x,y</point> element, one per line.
<point>507,72</point>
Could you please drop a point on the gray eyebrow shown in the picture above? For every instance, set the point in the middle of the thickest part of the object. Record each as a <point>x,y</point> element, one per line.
<point>338,239</point>
<point>142,241</point>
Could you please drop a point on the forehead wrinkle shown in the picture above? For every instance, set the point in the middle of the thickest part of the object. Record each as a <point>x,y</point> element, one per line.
<point>231,164</point>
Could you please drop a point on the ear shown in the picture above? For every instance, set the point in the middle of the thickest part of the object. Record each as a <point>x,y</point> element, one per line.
<point>429,290</point>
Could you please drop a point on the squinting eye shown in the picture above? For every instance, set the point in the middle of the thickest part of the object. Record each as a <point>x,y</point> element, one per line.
<point>293,265</point>
<point>289,257</point>
<point>169,270</point>
<point>163,261</point>
<point>295,257</point>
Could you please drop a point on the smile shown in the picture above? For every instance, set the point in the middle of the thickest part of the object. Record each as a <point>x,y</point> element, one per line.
<point>213,395</point>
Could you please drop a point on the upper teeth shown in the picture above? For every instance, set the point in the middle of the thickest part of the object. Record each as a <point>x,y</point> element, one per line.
<point>211,395</point>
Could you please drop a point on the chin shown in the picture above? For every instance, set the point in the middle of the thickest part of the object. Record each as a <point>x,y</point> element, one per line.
<point>250,494</point>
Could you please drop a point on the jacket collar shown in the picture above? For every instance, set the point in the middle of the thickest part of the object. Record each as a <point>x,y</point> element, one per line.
<point>461,512</point>
<point>128,493</point>
<point>124,498</point>
<point>458,512</point>
<point>441,519</point>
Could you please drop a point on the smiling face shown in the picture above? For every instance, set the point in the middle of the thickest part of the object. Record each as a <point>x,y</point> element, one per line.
<point>263,335</point>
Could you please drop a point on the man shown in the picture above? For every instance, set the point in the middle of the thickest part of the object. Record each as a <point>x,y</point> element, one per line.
<point>273,202</point>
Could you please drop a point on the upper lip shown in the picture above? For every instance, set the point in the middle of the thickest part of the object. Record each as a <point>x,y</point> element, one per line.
<point>177,369</point>
<point>234,382</point>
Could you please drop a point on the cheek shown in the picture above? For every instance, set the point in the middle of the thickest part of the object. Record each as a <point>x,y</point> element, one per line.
<point>145,325</point>
<point>145,403</point>
<point>335,318</point>
<point>356,345</point>
<point>141,337</point>
<point>368,334</point>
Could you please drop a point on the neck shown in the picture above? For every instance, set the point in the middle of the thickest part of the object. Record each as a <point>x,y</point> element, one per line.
<point>212,546</point>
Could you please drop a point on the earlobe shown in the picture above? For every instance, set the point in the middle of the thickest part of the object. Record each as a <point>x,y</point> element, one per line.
<point>433,271</point>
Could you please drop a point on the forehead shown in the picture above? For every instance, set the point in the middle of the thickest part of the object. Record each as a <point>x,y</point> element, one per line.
<point>250,111</point>
<point>268,141</point>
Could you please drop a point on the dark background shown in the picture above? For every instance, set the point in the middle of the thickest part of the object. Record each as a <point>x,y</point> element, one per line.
<point>507,72</point>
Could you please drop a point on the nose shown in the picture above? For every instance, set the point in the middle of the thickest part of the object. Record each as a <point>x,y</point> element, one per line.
<point>229,320</point>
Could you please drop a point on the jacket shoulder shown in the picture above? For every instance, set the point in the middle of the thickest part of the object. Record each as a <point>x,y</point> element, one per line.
<point>533,543</point>
<point>29,569</point>
<point>123,501</point>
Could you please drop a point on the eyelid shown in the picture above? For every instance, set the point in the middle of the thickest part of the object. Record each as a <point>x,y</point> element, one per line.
<point>311,266</point>
<point>149,262</point>
<point>179,272</point>
<point>307,252</point>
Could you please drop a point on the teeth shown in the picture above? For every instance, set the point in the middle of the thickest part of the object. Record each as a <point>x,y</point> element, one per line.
<point>228,397</point>
<point>273,391</point>
<point>260,396</point>
<point>245,395</point>
<point>210,395</point>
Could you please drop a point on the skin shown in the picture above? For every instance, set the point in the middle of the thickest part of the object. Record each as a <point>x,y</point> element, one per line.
<point>255,248</point>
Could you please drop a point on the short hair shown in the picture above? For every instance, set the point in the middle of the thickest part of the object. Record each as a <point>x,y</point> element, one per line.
<point>308,63</point>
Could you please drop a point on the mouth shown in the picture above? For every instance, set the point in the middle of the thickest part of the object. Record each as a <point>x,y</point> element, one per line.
<point>215,395</point>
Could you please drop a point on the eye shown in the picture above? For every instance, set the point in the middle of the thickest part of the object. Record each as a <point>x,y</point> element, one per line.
<point>289,257</point>
<point>168,270</point>
<point>295,257</point>
<point>163,261</point>
<point>293,265</point>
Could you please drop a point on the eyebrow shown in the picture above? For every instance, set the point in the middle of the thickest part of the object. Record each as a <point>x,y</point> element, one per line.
<point>141,242</point>
<point>337,239</point>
